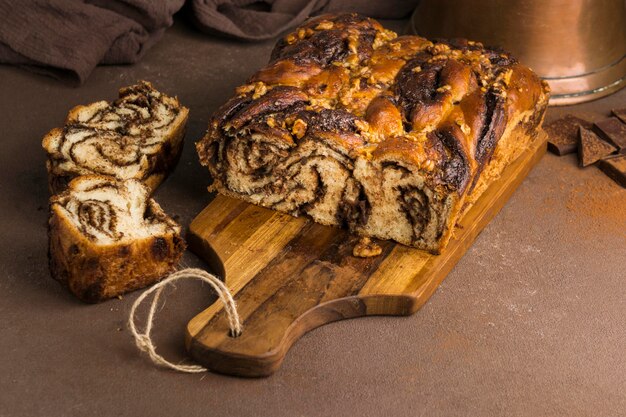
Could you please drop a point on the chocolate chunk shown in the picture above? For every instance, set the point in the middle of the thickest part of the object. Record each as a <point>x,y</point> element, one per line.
<point>615,168</point>
<point>591,148</point>
<point>620,114</point>
<point>614,131</point>
<point>563,134</point>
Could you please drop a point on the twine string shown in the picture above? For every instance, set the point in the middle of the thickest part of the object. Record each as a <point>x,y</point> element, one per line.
<point>144,341</point>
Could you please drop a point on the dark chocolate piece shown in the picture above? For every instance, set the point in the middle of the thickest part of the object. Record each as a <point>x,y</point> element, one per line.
<point>620,114</point>
<point>563,134</point>
<point>591,148</point>
<point>615,168</point>
<point>614,131</point>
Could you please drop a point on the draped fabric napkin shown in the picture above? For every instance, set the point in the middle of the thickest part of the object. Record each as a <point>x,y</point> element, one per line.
<point>254,20</point>
<point>68,38</point>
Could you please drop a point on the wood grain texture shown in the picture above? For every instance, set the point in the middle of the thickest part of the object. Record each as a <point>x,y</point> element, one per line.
<point>290,275</point>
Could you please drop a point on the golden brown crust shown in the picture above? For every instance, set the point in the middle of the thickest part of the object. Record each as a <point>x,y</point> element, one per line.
<point>95,270</point>
<point>342,87</point>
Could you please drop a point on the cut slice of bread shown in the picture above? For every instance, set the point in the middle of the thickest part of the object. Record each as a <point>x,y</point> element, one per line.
<point>138,136</point>
<point>107,237</point>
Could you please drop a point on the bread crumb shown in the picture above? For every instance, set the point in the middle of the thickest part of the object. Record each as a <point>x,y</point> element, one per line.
<point>365,248</point>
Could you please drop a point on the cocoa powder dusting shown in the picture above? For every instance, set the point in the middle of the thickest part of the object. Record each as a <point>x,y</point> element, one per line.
<point>601,202</point>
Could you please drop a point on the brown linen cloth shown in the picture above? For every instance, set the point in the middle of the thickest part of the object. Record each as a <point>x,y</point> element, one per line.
<point>68,38</point>
<point>253,20</point>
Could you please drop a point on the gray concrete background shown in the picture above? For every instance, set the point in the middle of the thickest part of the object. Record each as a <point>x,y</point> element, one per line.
<point>531,322</point>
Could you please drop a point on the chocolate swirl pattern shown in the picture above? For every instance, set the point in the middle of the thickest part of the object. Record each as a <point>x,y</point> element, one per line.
<point>393,137</point>
<point>138,136</point>
<point>107,211</point>
<point>108,237</point>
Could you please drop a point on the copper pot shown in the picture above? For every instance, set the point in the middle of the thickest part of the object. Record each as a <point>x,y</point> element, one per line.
<point>578,46</point>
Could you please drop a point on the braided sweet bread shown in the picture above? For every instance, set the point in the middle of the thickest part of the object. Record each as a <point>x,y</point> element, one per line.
<point>107,237</point>
<point>139,136</point>
<point>393,137</point>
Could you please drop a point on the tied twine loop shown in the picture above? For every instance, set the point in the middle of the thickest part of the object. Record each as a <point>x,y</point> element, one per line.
<point>143,339</point>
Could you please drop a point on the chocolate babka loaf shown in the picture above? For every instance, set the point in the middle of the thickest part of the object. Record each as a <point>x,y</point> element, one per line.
<point>393,137</point>
<point>139,136</point>
<point>107,237</point>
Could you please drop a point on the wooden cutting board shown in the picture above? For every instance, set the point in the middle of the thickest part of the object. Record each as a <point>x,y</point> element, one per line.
<point>289,275</point>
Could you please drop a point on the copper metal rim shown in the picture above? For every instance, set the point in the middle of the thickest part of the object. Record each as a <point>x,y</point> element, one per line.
<point>436,19</point>
<point>587,87</point>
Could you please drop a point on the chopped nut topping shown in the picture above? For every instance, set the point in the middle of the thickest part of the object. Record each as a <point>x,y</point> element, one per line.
<point>438,49</point>
<point>299,128</point>
<point>352,60</point>
<point>464,126</point>
<point>362,125</point>
<point>259,90</point>
<point>506,77</point>
<point>367,150</point>
<point>439,57</point>
<point>321,102</point>
<point>304,33</point>
<point>290,119</point>
<point>416,136</point>
<point>382,37</point>
<point>485,61</point>
<point>429,165</point>
<point>355,84</point>
<point>325,25</point>
<point>354,87</point>
<point>365,248</point>
<point>372,137</point>
<point>244,89</point>
<point>353,43</point>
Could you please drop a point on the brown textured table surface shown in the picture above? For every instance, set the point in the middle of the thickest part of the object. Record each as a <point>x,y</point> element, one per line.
<point>531,322</point>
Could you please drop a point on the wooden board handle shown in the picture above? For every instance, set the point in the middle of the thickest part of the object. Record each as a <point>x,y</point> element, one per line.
<point>289,275</point>
<point>305,279</point>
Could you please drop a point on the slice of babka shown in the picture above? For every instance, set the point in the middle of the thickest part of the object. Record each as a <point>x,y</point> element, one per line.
<point>392,137</point>
<point>107,237</point>
<point>138,136</point>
